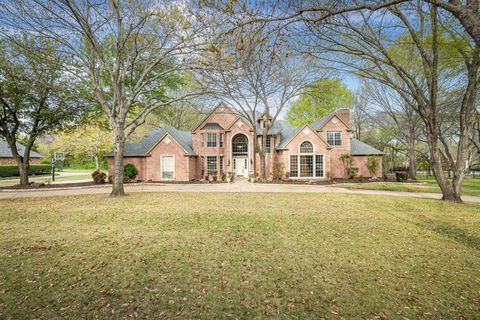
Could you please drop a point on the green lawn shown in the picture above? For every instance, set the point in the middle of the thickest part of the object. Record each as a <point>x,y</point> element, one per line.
<point>80,175</point>
<point>191,255</point>
<point>470,187</point>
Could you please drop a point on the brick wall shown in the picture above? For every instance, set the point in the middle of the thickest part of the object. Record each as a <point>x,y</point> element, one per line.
<point>12,161</point>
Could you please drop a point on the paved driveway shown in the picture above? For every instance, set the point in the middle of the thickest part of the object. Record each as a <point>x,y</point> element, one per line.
<point>239,186</point>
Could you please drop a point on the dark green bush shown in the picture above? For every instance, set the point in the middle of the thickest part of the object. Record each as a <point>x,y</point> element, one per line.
<point>130,171</point>
<point>99,177</point>
<point>352,172</point>
<point>401,176</point>
<point>11,170</point>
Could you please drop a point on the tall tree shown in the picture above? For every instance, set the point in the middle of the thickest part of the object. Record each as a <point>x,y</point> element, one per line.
<point>363,44</point>
<point>318,100</point>
<point>395,110</point>
<point>131,54</point>
<point>360,112</point>
<point>36,97</point>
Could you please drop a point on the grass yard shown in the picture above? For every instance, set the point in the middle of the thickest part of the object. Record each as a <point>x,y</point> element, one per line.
<point>191,255</point>
<point>470,187</point>
<point>67,176</point>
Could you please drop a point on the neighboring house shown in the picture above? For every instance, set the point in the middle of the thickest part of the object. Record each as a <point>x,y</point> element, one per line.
<point>6,156</point>
<point>223,141</point>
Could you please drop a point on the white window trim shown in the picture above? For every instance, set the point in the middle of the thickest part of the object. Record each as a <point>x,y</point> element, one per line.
<point>174,167</point>
<point>216,140</point>
<point>232,158</point>
<point>341,138</point>
<point>314,165</point>
<point>217,156</point>
<point>313,146</point>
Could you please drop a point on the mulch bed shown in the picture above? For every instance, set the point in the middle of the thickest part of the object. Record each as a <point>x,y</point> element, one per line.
<point>334,181</point>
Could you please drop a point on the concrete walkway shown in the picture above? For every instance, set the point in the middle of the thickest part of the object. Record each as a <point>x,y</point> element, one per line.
<point>238,186</point>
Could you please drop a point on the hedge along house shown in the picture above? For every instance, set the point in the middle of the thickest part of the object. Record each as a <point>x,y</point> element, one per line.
<point>6,156</point>
<point>223,141</point>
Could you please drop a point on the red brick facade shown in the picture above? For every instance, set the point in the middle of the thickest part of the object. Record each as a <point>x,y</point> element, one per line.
<point>223,142</point>
<point>12,161</point>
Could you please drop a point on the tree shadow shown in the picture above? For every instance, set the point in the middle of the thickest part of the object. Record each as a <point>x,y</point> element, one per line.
<point>448,230</point>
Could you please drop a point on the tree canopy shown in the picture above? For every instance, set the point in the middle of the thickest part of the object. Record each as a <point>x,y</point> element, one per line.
<point>318,100</point>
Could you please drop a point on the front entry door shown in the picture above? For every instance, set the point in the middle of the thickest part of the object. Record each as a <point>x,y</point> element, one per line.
<point>241,167</point>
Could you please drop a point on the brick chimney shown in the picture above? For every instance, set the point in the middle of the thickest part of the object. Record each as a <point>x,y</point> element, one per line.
<point>344,114</point>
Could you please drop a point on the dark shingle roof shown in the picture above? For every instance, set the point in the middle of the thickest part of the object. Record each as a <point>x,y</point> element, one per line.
<point>317,125</point>
<point>5,151</point>
<point>359,148</point>
<point>212,126</point>
<point>142,147</point>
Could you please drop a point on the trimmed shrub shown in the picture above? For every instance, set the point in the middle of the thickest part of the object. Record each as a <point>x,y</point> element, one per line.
<point>99,177</point>
<point>372,165</point>
<point>330,175</point>
<point>130,171</point>
<point>352,172</point>
<point>11,170</point>
<point>278,170</point>
<point>401,176</point>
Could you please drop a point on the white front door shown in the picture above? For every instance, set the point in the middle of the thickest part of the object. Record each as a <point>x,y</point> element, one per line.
<point>241,167</point>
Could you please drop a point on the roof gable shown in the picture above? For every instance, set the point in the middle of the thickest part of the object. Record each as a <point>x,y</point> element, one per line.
<point>243,121</point>
<point>294,133</point>
<point>318,125</point>
<point>143,147</point>
<point>219,107</point>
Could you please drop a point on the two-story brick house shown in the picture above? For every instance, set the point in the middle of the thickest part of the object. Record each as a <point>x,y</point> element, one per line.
<point>224,141</point>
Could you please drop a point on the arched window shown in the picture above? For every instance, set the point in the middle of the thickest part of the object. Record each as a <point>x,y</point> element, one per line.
<point>306,147</point>
<point>240,145</point>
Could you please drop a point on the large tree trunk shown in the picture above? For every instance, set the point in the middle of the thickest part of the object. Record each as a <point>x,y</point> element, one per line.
<point>412,171</point>
<point>119,138</point>
<point>261,153</point>
<point>97,164</point>
<point>262,165</point>
<point>23,168</point>
<point>449,192</point>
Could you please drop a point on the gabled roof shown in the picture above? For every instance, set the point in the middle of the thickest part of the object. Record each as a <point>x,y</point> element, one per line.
<point>212,126</point>
<point>220,104</point>
<point>292,133</point>
<point>143,147</point>
<point>5,151</point>
<point>359,148</point>
<point>318,125</point>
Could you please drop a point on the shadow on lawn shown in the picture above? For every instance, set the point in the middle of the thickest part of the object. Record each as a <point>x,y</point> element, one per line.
<point>444,229</point>
<point>450,231</point>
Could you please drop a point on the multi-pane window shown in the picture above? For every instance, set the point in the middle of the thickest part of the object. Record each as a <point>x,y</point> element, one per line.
<point>268,144</point>
<point>306,147</point>
<point>221,164</point>
<point>240,146</point>
<point>212,165</point>
<point>306,166</point>
<point>293,165</point>
<point>168,168</point>
<point>334,138</point>
<point>211,140</point>
<point>202,139</point>
<point>318,165</point>
<point>202,166</point>
<point>221,140</point>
